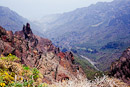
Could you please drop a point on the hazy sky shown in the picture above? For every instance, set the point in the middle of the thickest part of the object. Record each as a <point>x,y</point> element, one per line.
<point>33,9</point>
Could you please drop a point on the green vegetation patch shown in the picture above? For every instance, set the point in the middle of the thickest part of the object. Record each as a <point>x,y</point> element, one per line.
<point>90,71</point>
<point>14,74</point>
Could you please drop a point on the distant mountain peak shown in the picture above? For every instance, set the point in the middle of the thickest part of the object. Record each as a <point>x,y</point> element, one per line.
<point>11,20</point>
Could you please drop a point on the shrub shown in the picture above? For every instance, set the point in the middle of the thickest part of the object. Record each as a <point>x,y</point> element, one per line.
<point>18,85</point>
<point>2,84</point>
<point>5,77</point>
<point>10,57</point>
<point>35,73</point>
<point>105,81</point>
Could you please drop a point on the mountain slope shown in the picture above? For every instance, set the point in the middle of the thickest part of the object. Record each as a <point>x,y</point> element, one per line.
<point>40,53</point>
<point>13,21</point>
<point>121,68</point>
<point>100,32</point>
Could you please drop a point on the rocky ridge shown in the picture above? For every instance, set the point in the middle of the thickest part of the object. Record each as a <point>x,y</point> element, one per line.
<point>121,68</point>
<point>38,52</point>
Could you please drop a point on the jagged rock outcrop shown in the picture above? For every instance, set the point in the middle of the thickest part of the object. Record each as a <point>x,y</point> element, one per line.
<point>38,52</point>
<point>121,67</point>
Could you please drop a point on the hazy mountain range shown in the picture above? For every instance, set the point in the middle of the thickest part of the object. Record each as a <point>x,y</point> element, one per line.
<point>10,20</point>
<point>100,31</point>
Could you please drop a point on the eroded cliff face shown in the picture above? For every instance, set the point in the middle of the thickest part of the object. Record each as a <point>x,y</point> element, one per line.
<point>38,52</point>
<point>121,67</point>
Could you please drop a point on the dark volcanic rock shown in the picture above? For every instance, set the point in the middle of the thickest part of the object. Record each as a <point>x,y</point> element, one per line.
<point>27,31</point>
<point>121,67</point>
<point>38,52</point>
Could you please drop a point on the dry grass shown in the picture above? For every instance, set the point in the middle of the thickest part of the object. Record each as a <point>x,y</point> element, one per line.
<point>98,82</point>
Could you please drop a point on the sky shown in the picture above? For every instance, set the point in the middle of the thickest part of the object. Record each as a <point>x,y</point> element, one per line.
<point>35,9</point>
